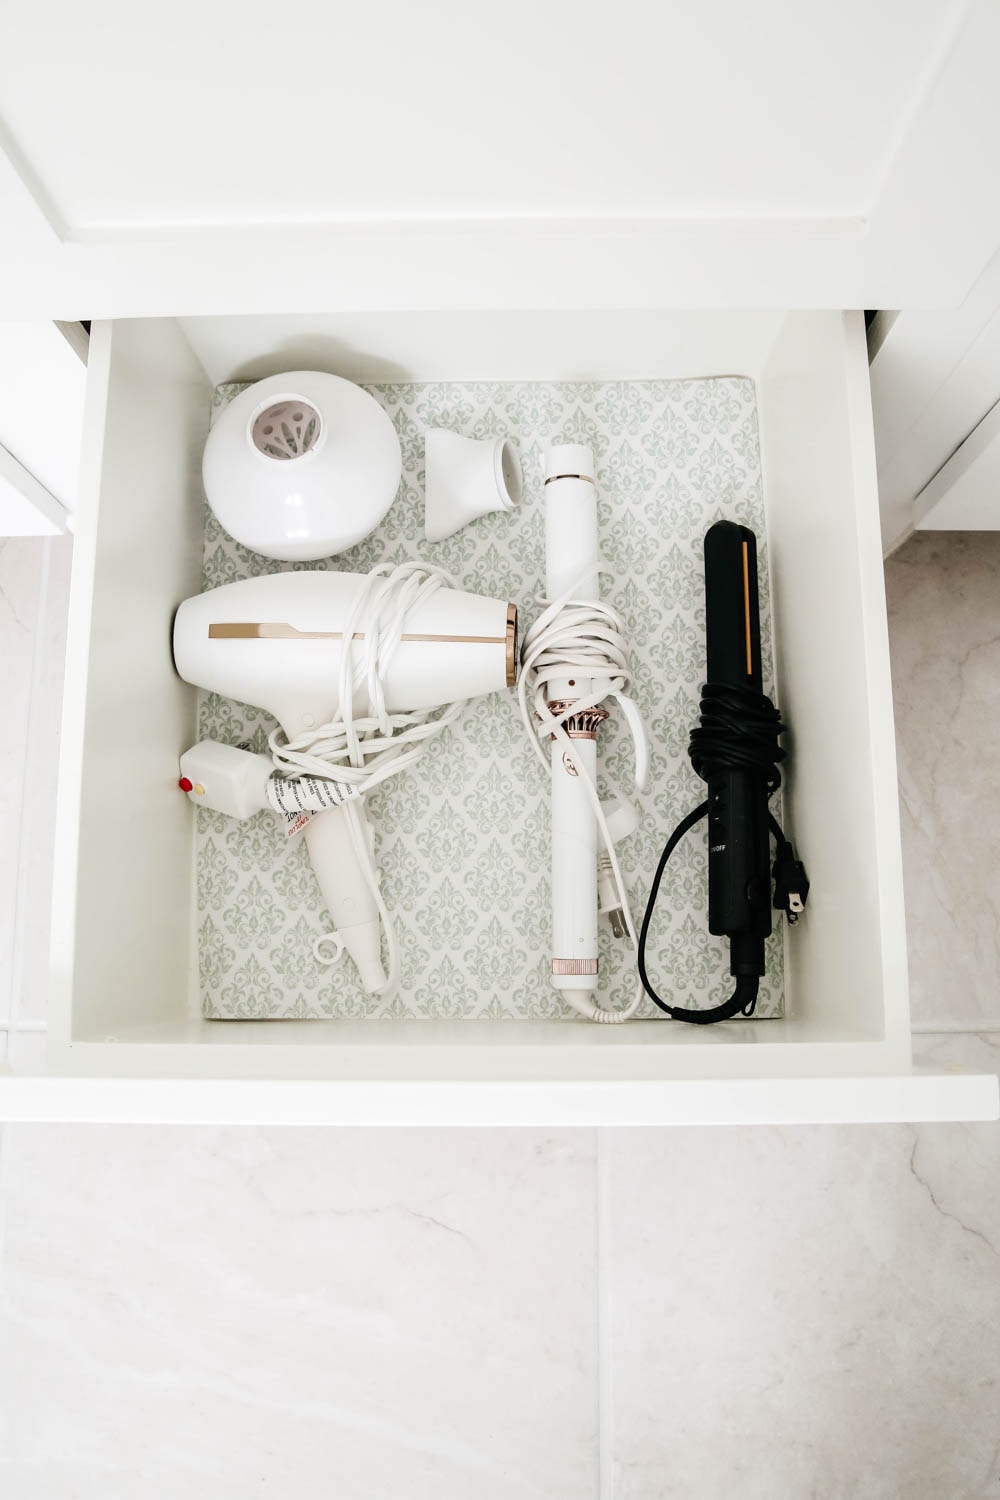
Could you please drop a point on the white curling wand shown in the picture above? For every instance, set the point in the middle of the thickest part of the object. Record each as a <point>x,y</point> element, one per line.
<point>576,655</point>
<point>570,550</point>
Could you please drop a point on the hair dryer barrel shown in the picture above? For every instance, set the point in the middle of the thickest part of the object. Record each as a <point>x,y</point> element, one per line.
<point>276,641</point>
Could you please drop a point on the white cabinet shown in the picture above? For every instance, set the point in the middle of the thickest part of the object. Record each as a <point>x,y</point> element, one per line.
<point>225,158</point>
<point>935,391</point>
<point>935,376</point>
<point>964,495</point>
<point>405,192</point>
<point>42,385</point>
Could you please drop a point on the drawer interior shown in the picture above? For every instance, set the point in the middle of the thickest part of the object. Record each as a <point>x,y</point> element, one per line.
<point>125,954</point>
<point>464,838</point>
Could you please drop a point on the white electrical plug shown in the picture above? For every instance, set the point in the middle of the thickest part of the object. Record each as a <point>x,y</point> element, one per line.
<point>225,779</point>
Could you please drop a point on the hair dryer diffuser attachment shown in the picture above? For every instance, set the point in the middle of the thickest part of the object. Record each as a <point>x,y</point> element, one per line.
<point>466,478</point>
<point>298,467</point>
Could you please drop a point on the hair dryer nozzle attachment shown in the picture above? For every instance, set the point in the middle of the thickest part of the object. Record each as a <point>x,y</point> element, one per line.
<point>467,478</point>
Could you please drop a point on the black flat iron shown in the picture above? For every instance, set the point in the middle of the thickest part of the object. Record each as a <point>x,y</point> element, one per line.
<point>735,750</point>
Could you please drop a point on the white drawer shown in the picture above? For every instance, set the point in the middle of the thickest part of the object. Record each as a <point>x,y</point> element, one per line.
<point>127,1039</point>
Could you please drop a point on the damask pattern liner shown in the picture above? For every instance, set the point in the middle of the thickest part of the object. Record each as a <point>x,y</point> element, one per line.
<point>463,838</point>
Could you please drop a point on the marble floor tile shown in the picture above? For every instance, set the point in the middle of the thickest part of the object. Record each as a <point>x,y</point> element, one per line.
<point>963,1051</point>
<point>806,1314</point>
<point>943,594</point>
<point>20,585</point>
<point>216,1314</point>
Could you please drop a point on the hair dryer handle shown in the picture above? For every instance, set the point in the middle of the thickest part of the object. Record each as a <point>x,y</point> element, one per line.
<point>346,889</point>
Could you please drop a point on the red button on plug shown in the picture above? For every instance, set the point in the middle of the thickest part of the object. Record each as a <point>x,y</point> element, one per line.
<point>186,785</point>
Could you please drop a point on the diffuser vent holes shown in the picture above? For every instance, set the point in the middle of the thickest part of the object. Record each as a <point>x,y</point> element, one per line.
<point>287,429</point>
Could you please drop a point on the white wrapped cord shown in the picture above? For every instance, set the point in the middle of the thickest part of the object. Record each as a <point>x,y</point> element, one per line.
<point>582,637</point>
<point>366,751</point>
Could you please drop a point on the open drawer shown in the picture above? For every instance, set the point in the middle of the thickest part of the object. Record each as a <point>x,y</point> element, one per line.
<point>127,1037</point>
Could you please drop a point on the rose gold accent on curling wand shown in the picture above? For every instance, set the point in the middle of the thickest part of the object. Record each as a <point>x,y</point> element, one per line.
<point>574,966</point>
<point>579,726</point>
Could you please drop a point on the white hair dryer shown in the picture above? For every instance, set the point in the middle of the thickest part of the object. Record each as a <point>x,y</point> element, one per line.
<point>412,645</point>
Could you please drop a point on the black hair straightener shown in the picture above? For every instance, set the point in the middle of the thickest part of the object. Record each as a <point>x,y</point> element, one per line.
<point>735,751</point>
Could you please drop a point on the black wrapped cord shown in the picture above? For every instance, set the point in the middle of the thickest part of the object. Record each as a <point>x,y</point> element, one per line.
<point>738,731</point>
